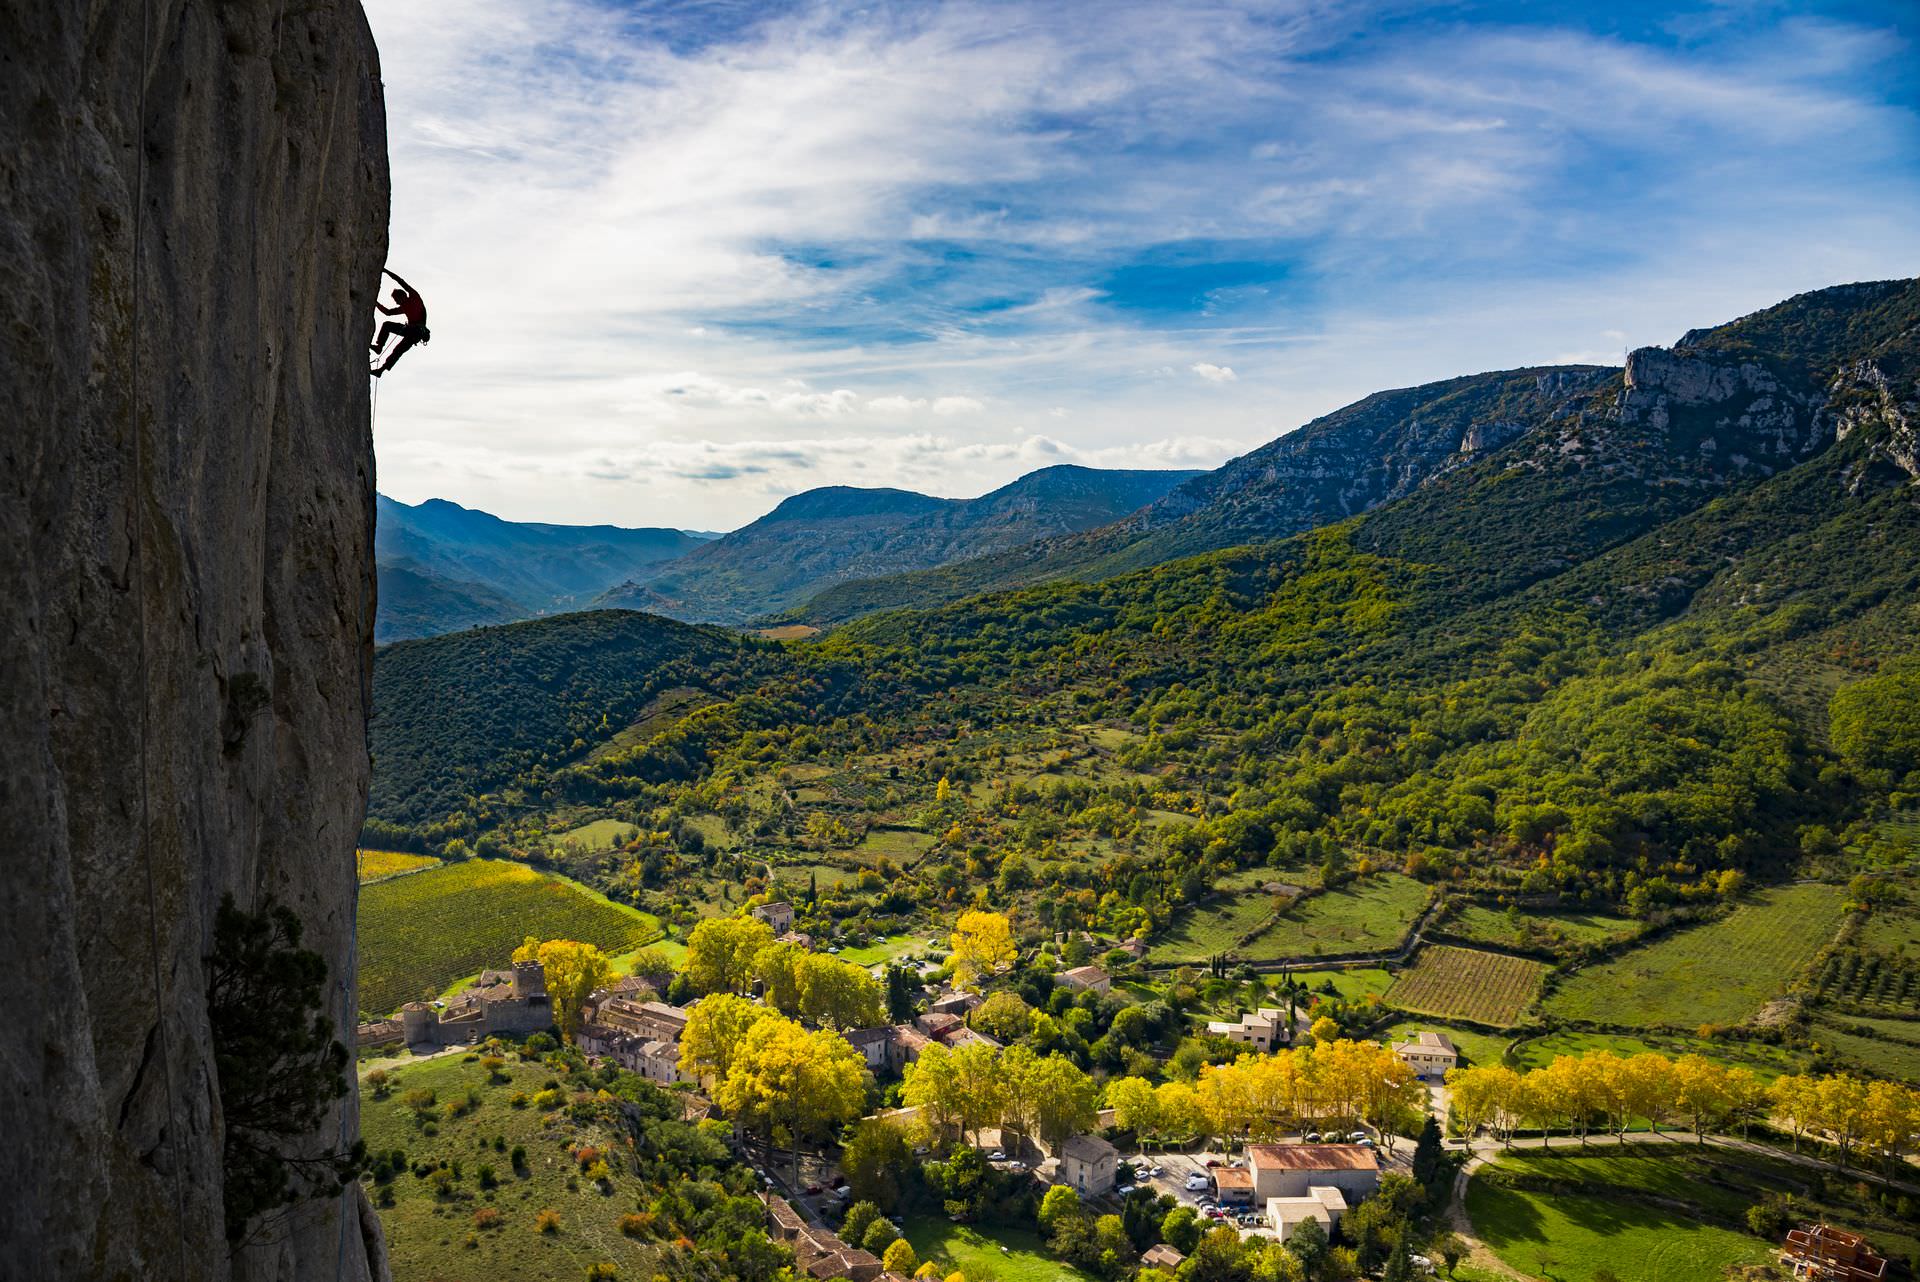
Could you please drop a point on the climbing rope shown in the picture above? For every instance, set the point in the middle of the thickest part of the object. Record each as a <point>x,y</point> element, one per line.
<point>140,612</point>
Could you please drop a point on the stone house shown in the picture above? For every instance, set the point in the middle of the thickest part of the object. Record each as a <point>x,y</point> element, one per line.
<point>501,1003</point>
<point>1322,1203</point>
<point>817,1253</point>
<point>778,915</point>
<point>1263,1030</point>
<point>1086,978</point>
<point>1090,1164</point>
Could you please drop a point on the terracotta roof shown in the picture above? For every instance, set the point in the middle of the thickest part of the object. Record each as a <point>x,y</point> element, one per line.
<point>1235,1177</point>
<point>1085,975</point>
<point>1313,1157</point>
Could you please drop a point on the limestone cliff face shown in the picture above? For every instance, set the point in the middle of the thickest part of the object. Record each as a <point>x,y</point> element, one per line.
<point>188,615</point>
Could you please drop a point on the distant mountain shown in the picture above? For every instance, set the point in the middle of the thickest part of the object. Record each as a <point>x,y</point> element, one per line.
<point>828,535</point>
<point>1737,401</point>
<point>444,567</point>
<point>419,603</point>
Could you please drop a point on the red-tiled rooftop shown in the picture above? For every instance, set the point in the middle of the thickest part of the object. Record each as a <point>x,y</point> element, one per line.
<point>1313,1157</point>
<point>1234,1177</point>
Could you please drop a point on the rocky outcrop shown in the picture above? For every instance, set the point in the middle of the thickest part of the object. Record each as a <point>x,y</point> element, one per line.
<point>186,519</point>
<point>1866,400</point>
<point>1739,414</point>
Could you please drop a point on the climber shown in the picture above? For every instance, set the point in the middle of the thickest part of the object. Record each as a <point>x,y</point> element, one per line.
<point>406,300</point>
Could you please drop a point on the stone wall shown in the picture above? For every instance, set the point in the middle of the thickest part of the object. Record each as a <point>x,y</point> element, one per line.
<point>188,618</point>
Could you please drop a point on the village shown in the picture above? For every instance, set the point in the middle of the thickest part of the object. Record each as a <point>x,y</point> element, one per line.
<point>1267,1179</point>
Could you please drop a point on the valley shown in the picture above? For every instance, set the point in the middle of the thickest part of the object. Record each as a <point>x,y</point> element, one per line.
<point>1519,751</point>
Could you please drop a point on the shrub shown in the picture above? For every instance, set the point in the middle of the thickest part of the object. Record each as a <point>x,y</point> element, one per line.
<point>420,1099</point>
<point>548,1099</point>
<point>547,1220</point>
<point>602,1271</point>
<point>635,1225</point>
<point>487,1178</point>
<point>487,1217</point>
<point>878,1237</point>
<point>518,1157</point>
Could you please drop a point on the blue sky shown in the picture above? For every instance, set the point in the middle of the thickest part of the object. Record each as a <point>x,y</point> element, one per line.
<point>685,259</point>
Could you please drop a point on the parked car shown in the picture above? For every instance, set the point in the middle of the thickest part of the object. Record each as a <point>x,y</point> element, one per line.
<point>1357,1137</point>
<point>1238,1163</point>
<point>1311,1137</point>
<point>813,1190</point>
<point>1196,1182</point>
<point>998,1156</point>
<point>1213,1161</point>
<point>1156,1171</point>
<point>1364,1143</point>
<point>1016,1166</point>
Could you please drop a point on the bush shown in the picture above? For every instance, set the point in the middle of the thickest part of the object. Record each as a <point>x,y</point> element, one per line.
<point>547,1221</point>
<point>487,1178</point>
<point>879,1236</point>
<point>602,1271</point>
<point>635,1225</point>
<point>487,1217</point>
<point>519,1157</point>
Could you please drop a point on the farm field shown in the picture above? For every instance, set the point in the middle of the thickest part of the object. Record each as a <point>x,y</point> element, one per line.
<point>1721,972</point>
<point>1870,980</point>
<point>1893,927</point>
<point>1765,1060</point>
<point>1210,927</point>
<point>1896,1052</point>
<point>1492,926</point>
<point>1367,916</point>
<point>421,932</point>
<point>1574,1237</point>
<point>794,879</point>
<point>427,1235</point>
<point>1480,1049</point>
<point>377,865</point>
<point>1000,1254</point>
<point>898,844</point>
<point>1487,988</point>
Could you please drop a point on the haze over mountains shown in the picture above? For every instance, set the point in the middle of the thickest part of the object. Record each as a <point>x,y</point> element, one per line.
<point>445,567</point>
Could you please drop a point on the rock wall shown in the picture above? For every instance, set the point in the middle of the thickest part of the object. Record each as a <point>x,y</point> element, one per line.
<point>189,603</point>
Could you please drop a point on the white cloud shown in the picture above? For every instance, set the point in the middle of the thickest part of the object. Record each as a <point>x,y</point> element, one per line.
<point>654,255</point>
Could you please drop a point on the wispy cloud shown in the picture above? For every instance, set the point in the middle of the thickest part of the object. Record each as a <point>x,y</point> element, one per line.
<point>683,259</point>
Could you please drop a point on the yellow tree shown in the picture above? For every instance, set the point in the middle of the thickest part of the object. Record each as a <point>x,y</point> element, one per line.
<point>1178,1110</point>
<point>982,946</point>
<point>778,967</point>
<point>1796,1097</point>
<point>796,1084</point>
<point>839,994</point>
<point>715,1029</point>
<point>573,971</point>
<point>1488,1095</point>
<point>1135,1106</point>
<point>721,953</point>
<point>1065,1101</point>
<point>1650,1087</point>
<point>1842,1103</point>
<point>931,1086</point>
<point>1699,1092</point>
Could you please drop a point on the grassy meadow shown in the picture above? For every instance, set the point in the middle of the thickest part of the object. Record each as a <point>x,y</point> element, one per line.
<point>1365,916</point>
<point>378,865</point>
<point>1721,972</point>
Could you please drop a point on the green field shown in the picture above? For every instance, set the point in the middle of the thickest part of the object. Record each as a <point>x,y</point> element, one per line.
<point>419,933</point>
<point>1896,1052</point>
<point>1479,1049</point>
<point>1214,926</point>
<point>1712,1187</point>
<point>435,1237</point>
<point>601,834</point>
<point>988,1254</point>
<point>1356,984</point>
<point>1574,1237</point>
<point>1487,988</point>
<point>1718,973</point>
<point>1766,1060</point>
<point>1367,916</point>
<point>378,865</point>
<point>897,844</point>
<point>1550,930</point>
<point>884,949</point>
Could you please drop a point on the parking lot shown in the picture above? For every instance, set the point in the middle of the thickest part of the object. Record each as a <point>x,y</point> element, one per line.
<point>1177,1168</point>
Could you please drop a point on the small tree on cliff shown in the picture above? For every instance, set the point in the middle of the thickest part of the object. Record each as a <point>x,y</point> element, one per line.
<point>280,1067</point>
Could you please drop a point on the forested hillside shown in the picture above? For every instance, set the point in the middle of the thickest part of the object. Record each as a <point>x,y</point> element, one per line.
<point>824,536</point>
<point>1597,660</point>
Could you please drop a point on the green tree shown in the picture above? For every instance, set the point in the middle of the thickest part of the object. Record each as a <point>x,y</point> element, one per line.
<point>277,1065</point>
<point>877,1162</point>
<point>1181,1229</point>
<point>1061,1202</point>
<point>721,953</point>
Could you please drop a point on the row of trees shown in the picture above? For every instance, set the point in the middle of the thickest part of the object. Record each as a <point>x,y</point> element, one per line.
<point>975,1086</point>
<point>1259,1097</point>
<point>1577,1093</point>
<point>730,954</point>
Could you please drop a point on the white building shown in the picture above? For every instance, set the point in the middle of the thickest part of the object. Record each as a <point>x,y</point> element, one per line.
<point>1322,1202</point>
<point>1263,1030</point>
<point>1428,1054</point>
